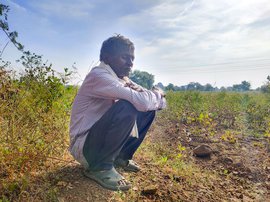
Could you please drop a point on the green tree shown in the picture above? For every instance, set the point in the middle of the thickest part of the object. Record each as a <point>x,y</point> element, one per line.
<point>142,78</point>
<point>160,85</point>
<point>194,86</point>
<point>208,87</point>
<point>170,87</point>
<point>266,87</point>
<point>244,86</point>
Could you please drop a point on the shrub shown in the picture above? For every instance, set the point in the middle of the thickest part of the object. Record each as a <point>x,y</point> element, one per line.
<point>34,118</point>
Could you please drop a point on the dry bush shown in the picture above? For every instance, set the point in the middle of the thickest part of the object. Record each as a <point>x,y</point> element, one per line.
<point>34,118</point>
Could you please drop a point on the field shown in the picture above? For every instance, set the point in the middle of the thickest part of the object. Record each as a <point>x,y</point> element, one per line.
<point>232,127</point>
<point>36,166</point>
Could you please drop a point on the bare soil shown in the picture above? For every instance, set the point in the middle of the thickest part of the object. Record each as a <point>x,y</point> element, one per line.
<point>237,171</point>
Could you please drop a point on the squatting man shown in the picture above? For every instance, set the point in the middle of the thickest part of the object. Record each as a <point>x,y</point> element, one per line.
<point>111,116</point>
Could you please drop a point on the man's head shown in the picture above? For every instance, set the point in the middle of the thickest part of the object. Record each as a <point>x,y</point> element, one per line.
<point>118,52</point>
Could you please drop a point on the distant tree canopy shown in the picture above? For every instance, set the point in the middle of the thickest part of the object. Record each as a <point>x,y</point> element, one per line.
<point>266,87</point>
<point>244,86</point>
<point>191,86</point>
<point>160,85</point>
<point>142,78</point>
<point>146,80</point>
<point>170,87</point>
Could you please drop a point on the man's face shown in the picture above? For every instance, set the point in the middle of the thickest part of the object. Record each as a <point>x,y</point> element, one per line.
<point>122,62</point>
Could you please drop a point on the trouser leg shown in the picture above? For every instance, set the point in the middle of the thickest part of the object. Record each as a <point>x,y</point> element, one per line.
<point>144,121</point>
<point>108,135</point>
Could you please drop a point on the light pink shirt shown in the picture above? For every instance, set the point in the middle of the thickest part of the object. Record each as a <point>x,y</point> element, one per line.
<point>100,89</point>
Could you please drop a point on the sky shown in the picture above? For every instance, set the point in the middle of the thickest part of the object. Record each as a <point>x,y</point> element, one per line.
<point>221,42</point>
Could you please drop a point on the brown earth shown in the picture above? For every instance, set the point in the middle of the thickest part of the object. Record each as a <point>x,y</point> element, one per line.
<point>237,171</point>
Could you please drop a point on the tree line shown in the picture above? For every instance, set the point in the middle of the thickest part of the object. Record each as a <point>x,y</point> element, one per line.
<point>147,80</point>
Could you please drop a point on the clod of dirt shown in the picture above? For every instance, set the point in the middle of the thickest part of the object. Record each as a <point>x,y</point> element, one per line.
<point>238,165</point>
<point>149,190</point>
<point>166,177</point>
<point>227,160</point>
<point>203,151</point>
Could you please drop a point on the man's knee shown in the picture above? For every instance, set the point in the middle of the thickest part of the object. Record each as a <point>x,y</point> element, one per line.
<point>127,110</point>
<point>126,106</point>
<point>152,113</point>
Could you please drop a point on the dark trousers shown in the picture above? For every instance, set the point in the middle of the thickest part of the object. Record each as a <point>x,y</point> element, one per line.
<point>109,138</point>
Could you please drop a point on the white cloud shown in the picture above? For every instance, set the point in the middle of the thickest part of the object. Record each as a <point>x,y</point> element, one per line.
<point>205,25</point>
<point>177,35</point>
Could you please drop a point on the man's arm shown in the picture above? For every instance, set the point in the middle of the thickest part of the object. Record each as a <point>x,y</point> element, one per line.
<point>103,85</point>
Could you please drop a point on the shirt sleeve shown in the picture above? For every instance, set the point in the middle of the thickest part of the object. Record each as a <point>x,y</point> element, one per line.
<point>104,85</point>
<point>137,85</point>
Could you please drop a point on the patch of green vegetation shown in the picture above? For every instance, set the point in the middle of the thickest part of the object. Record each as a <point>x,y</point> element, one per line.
<point>209,111</point>
<point>34,117</point>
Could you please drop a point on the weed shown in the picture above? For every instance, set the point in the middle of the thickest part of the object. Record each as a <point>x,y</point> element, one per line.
<point>258,144</point>
<point>225,172</point>
<point>229,136</point>
<point>163,160</point>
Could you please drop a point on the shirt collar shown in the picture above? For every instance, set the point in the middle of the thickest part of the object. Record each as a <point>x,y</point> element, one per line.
<point>108,68</point>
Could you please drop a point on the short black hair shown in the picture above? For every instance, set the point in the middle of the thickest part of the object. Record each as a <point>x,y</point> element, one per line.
<point>114,45</point>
